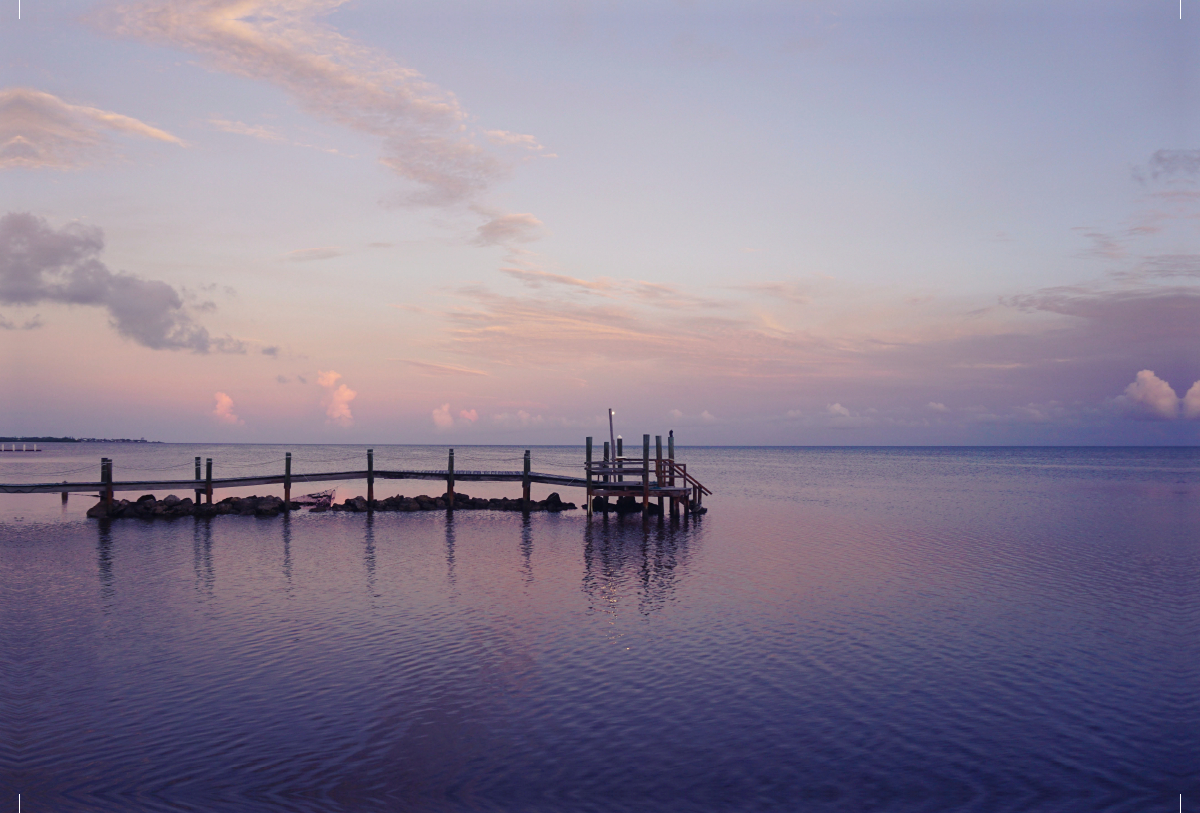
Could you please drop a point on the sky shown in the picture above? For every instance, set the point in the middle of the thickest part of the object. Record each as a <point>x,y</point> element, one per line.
<point>786,223</point>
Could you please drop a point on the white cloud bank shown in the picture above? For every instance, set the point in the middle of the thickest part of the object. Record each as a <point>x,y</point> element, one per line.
<point>1148,397</point>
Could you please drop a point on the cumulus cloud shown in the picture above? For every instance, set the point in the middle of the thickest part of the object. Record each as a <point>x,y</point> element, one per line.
<point>1191,402</point>
<point>337,399</point>
<point>506,139</point>
<point>469,415</point>
<point>838,411</point>
<point>422,129</point>
<point>442,418</point>
<point>516,227</point>
<point>1149,397</point>
<point>41,264</point>
<point>223,410</point>
<point>41,131</point>
<point>938,407</point>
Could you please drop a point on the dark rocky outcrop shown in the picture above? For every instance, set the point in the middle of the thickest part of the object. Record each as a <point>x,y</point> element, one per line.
<point>146,507</point>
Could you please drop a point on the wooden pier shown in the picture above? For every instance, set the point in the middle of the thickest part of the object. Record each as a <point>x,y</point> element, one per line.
<point>614,476</point>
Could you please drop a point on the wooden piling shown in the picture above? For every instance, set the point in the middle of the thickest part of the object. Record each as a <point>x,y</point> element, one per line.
<point>671,458</point>
<point>198,492</point>
<point>645,477</point>
<point>287,480</point>
<point>525,485</point>
<point>588,468</point>
<point>106,477</point>
<point>370,479</point>
<point>658,469</point>
<point>208,480</point>
<point>618,459</point>
<point>64,496</point>
<point>605,479</point>
<point>450,482</point>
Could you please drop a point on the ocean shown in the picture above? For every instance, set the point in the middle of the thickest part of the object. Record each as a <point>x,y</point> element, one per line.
<point>846,629</point>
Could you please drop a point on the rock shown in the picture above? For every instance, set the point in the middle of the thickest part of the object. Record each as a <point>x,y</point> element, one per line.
<point>146,498</point>
<point>171,500</point>
<point>359,503</point>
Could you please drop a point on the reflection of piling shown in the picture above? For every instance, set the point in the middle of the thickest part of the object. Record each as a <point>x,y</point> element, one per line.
<point>208,480</point>
<point>287,480</point>
<point>198,493</point>
<point>450,479</point>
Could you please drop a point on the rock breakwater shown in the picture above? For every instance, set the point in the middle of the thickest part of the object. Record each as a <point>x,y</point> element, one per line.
<point>147,507</point>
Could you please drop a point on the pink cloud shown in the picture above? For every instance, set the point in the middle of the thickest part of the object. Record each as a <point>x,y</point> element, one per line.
<point>223,411</point>
<point>442,419</point>
<point>470,416</point>
<point>337,401</point>
<point>1149,397</point>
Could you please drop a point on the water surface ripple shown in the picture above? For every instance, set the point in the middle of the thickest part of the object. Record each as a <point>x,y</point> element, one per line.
<point>847,629</point>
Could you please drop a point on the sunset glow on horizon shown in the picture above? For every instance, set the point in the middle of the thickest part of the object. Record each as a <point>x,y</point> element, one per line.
<point>765,223</point>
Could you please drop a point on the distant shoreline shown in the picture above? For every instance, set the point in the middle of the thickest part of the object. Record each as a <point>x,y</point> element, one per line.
<point>75,440</point>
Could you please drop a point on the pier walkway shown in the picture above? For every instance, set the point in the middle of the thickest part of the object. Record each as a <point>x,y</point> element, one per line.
<point>626,479</point>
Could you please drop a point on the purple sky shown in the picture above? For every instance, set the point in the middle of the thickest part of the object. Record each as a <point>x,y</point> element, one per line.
<point>755,223</point>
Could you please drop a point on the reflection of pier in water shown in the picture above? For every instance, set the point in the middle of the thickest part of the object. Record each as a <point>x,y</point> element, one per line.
<point>655,557</point>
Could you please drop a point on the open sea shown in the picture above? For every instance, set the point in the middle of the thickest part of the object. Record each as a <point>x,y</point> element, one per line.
<point>847,629</point>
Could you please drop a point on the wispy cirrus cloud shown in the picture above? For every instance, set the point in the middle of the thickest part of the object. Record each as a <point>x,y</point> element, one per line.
<point>423,131</point>
<point>41,131</point>
<point>39,263</point>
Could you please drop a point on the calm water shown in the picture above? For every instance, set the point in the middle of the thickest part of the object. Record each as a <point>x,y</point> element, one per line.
<point>846,630</point>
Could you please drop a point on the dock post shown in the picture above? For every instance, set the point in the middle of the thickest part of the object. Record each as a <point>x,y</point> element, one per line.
<point>525,485</point>
<point>450,482</point>
<point>658,469</point>
<point>198,492</point>
<point>208,480</point>
<point>106,492</point>
<point>605,478</point>
<point>370,479</point>
<point>619,455</point>
<point>64,495</point>
<point>587,468</point>
<point>671,458</point>
<point>287,480</point>
<point>645,477</point>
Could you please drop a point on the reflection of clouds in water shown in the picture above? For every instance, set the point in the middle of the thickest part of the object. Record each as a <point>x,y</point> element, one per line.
<point>622,557</point>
